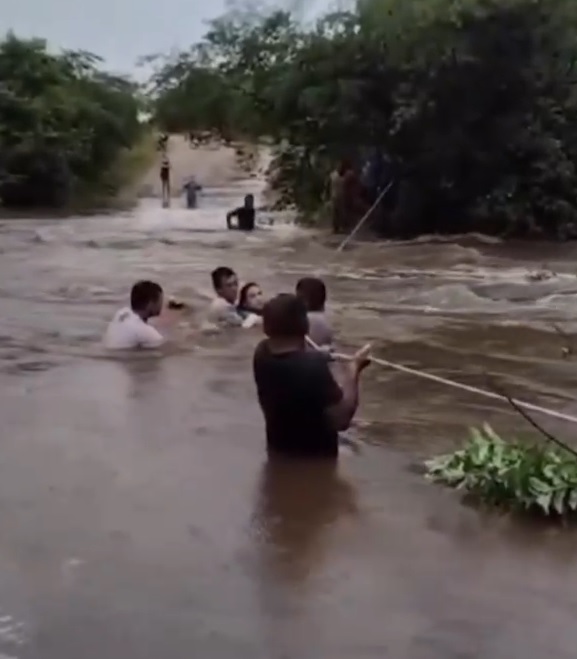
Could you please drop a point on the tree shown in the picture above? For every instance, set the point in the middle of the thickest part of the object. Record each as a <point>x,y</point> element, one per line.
<point>475,102</point>
<point>63,123</point>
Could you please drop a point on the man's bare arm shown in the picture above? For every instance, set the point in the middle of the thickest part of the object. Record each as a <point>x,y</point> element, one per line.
<point>343,412</point>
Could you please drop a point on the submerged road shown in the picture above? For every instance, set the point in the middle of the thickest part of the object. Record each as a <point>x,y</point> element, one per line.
<point>138,517</point>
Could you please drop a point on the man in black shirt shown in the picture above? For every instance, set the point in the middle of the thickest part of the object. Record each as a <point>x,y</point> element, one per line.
<point>165,181</point>
<point>244,215</point>
<point>303,406</point>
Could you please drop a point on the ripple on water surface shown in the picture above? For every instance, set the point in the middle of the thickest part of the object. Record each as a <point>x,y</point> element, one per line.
<point>145,473</point>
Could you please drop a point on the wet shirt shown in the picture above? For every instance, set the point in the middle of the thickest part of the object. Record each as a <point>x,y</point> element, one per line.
<point>245,218</point>
<point>191,189</point>
<point>320,329</point>
<point>127,330</point>
<point>249,318</point>
<point>224,313</point>
<point>294,391</point>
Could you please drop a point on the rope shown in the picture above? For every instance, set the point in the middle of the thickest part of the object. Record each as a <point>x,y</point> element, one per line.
<point>364,218</point>
<point>456,385</point>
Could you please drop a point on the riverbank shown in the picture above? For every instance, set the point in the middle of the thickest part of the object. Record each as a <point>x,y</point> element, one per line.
<point>117,190</point>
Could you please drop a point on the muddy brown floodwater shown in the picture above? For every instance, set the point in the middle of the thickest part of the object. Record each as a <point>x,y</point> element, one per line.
<point>138,517</point>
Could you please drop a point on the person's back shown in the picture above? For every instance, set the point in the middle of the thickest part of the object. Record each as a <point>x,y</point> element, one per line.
<point>320,330</point>
<point>313,292</point>
<point>191,189</point>
<point>294,389</point>
<point>303,406</point>
<point>129,328</point>
<point>245,215</point>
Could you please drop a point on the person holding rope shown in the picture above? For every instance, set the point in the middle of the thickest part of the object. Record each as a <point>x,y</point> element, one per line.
<point>303,406</point>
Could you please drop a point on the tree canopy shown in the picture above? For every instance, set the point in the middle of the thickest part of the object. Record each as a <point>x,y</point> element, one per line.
<point>474,100</point>
<point>63,124</point>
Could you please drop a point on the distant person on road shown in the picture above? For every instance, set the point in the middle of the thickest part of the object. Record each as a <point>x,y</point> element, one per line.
<point>191,189</point>
<point>165,181</point>
<point>303,406</point>
<point>313,293</point>
<point>244,215</point>
<point>129,328</point>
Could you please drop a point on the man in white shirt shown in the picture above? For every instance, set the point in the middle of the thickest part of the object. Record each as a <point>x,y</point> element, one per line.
<point>129,328</point>
<point>222,310</point>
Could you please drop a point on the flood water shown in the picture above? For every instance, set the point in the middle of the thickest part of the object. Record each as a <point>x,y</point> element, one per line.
<point>138,516</point>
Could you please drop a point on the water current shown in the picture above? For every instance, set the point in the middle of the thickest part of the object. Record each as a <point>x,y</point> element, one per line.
<point>138,516</point>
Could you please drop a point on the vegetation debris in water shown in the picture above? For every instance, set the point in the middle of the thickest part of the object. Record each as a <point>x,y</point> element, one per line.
<point>510,474</point>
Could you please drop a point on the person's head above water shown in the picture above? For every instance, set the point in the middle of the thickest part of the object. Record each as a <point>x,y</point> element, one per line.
<point>313,292</point>
<point>285,319</point>
<point>146,299</point>
<point>249,201</point>
<point>251,298</point>
<point>225,283</point>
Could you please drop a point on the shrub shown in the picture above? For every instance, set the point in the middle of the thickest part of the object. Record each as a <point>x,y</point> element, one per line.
<point>63,124</point>
<point>510,474</point>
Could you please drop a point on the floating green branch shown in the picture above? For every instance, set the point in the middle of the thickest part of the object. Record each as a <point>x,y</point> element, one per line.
<point>511,475</point>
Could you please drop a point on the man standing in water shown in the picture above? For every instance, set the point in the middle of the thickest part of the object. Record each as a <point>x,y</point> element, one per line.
<point>165,181</point>
<point>303,406</point>
<point>344,196</point>
<point>244,215</point>
<point>129,328</point>
<point>191,189</point>
<point>313,293</point>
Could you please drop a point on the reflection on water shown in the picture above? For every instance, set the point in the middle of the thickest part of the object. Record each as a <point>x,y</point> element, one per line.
<point>141,471</point>
<point>298,504</point>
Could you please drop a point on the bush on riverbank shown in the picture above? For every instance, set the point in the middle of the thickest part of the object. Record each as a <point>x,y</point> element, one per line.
<point>475,101</point>
<point>65,127</point>
<point>511,475</point>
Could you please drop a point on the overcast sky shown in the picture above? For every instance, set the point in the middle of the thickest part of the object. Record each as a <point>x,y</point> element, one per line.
<point>121,31</point>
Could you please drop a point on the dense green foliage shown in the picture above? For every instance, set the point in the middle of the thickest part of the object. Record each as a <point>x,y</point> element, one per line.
<point>64,125</point>
<point>474,100</point>
<point>511,474</point>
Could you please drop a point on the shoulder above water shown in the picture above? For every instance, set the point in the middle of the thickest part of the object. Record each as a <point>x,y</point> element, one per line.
<point>127,331</point>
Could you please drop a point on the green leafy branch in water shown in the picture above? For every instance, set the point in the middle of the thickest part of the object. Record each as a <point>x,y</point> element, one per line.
<point>511,475</point>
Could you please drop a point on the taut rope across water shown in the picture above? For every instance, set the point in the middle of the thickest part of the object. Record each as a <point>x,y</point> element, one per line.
<point>458,385</point>
<point>363,219</point>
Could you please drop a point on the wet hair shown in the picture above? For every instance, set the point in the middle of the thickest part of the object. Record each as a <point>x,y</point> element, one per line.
<point>313,292</point>
<point>285,317</point>
<point>242,296</point>
<point>219,275</point>
<point>143,293</point>
<point>248,198</point>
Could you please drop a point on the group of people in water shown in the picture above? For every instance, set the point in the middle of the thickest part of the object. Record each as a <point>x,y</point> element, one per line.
<point>303,404</point>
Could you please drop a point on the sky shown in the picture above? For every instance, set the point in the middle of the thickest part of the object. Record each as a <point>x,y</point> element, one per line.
<point>121,31</point>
